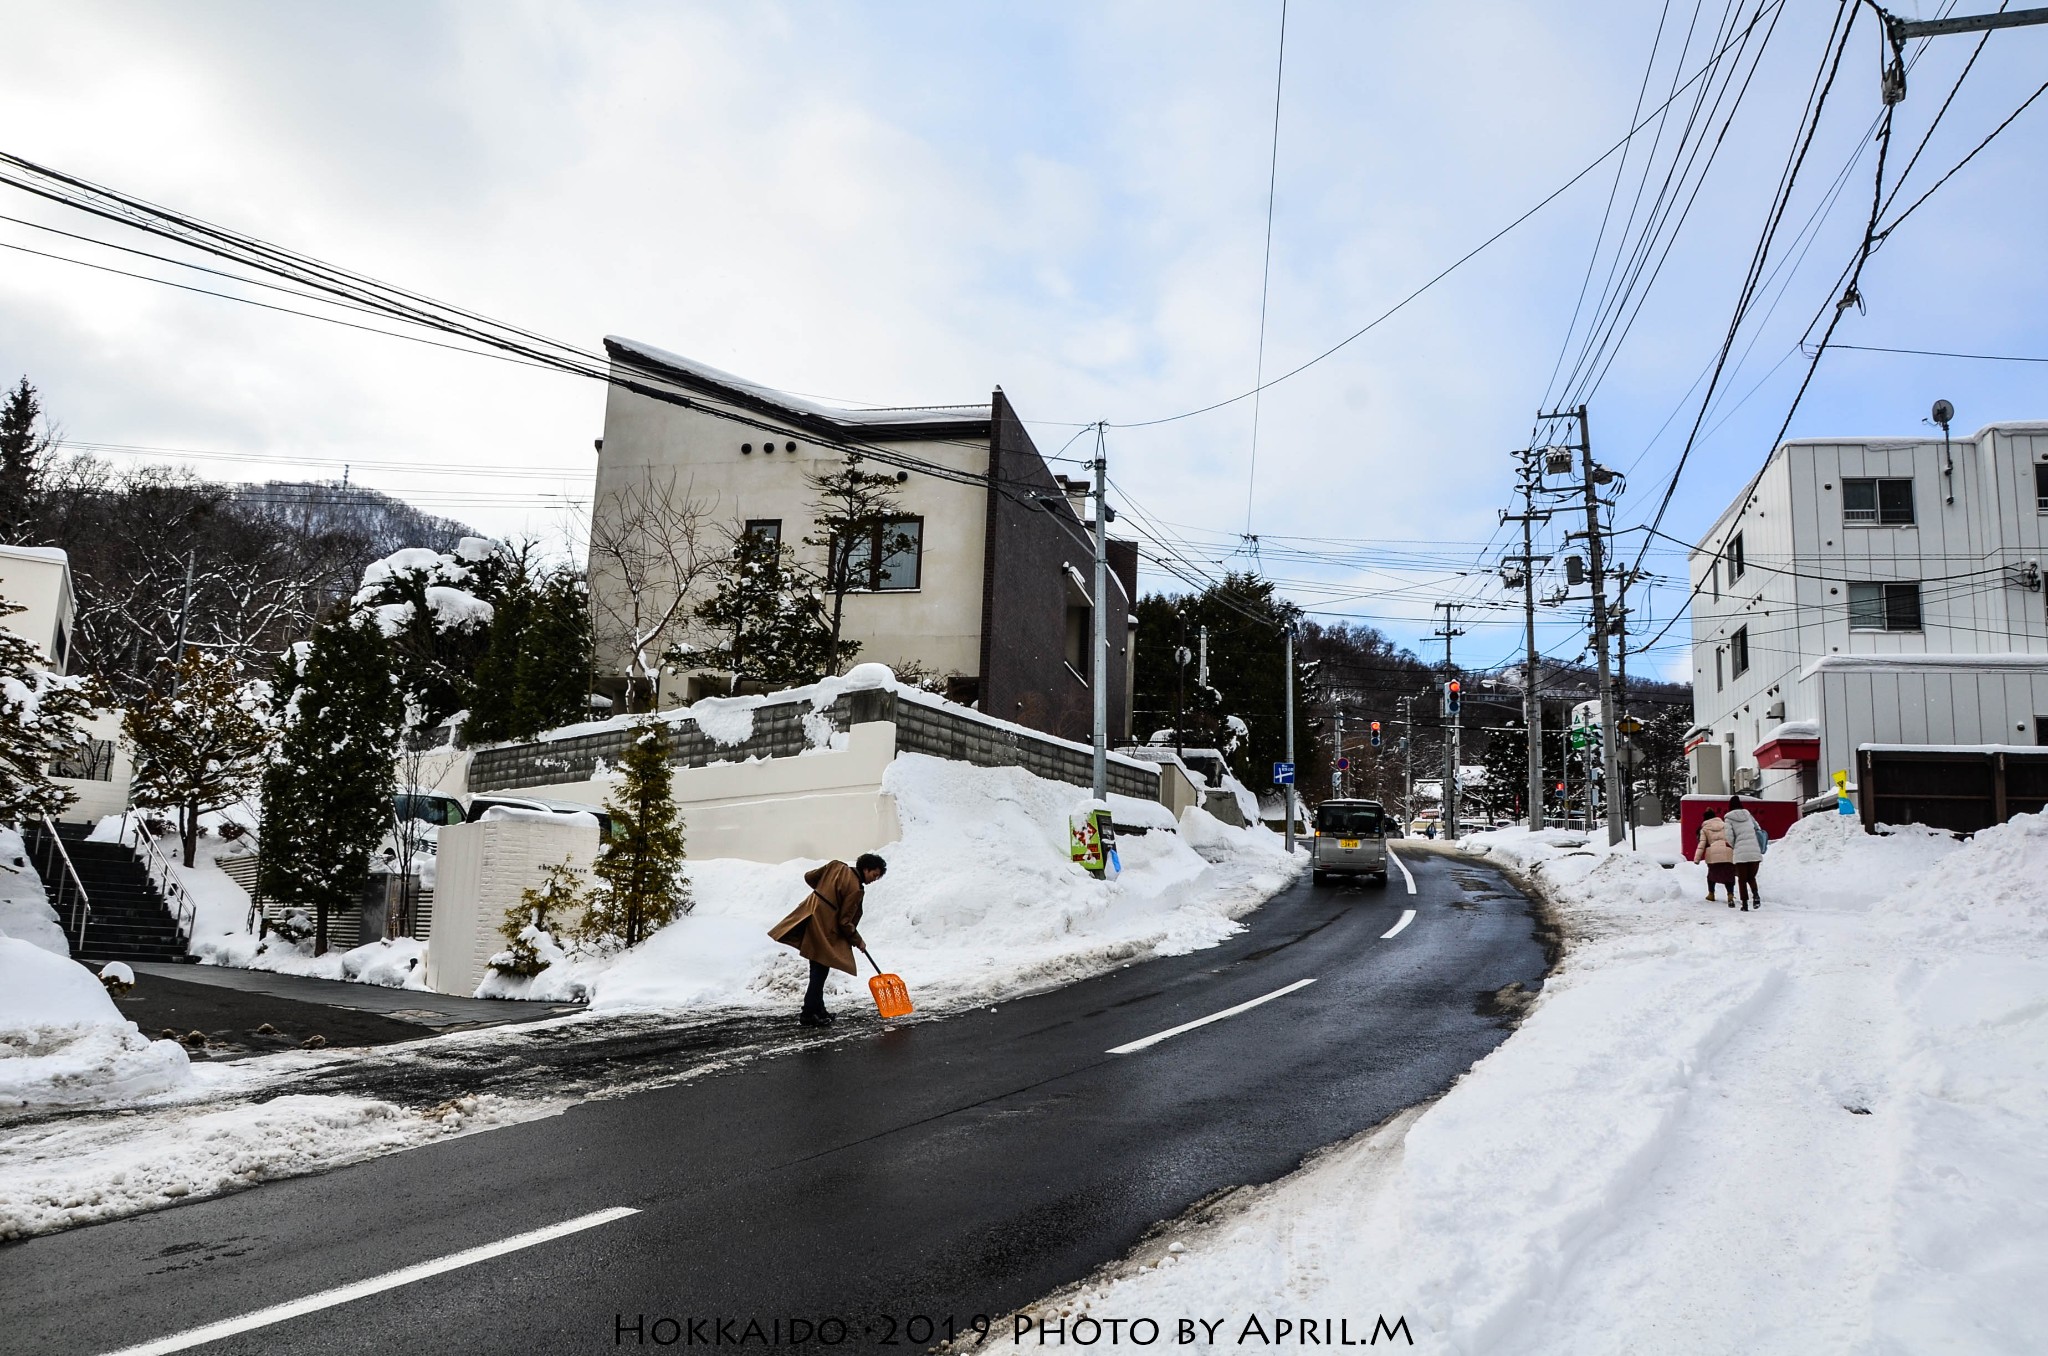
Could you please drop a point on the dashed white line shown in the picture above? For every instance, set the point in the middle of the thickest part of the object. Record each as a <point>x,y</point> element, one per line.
<point>1405,873</point>
<point>1407,917</point>
<point>327,1299</point>
<point>1135,1046</point>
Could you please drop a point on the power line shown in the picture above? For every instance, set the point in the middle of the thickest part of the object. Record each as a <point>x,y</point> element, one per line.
<point>1266,269</point>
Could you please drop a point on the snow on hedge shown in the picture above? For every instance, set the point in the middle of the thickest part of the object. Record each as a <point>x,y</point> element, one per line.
<point>1816,1127</point>
<point>981,900</point>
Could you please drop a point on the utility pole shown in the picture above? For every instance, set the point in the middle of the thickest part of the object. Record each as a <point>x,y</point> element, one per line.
<point>1337,761</point>
<point>1628,791</point>
<point>1101,610</point>
<point>1453,744</point>
<point>184,618</point>
<point>1594,477</point>
<point>1532,702</point>
<point>1407,761</point>
<point>1290,723</point>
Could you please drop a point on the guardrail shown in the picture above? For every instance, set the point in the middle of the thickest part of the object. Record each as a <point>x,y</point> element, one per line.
<point>184,912</point>
<point>68,888</point>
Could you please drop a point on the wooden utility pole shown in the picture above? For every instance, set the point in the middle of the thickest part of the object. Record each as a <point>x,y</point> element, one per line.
<point>1448,813</point>
<point>1532,701</point>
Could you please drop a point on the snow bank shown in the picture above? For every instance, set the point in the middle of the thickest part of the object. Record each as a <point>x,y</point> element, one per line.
<point>1815,1127</point>
<point>25,911</point>
<point>981,900</point>
<point>64,1043</point>
<point>399,964</point>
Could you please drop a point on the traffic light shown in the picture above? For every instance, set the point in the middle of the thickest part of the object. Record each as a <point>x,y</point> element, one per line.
<point>1375,734</point>
<point>1452,694</point>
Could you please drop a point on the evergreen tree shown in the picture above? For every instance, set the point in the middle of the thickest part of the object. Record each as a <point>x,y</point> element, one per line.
<point>640,882</point>
<point>856,514</point>
<point>40,717</point>
<point>494,695</point>
<point>770,619</point>
<point>530,925</point>
<point>23,461</point>
<point>199,740</point>
<point>327,792</point>
<point>554,674</point>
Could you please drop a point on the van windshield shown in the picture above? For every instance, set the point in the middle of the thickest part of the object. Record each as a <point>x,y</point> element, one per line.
<point>1351,820</point>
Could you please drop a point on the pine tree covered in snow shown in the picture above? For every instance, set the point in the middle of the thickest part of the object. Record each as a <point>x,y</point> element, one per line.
<point>199,737</point>
<point>435,608</point>
<point>327,791</point>
<point>770,619</point>
<point>40,717</point>
<point>858,516</point>
<point>640,882</point>
<point>532,924</point>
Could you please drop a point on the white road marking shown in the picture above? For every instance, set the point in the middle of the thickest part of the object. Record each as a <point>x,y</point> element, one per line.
<point>1405,874</point>
<point>327,1299</point>
<point>1136,1046</point>
<point>1407,917</point>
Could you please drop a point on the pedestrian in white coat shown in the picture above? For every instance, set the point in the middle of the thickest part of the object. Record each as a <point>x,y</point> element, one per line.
<point>1746,840</point>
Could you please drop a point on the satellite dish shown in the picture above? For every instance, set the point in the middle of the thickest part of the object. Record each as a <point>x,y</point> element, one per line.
<point>1943,412</point>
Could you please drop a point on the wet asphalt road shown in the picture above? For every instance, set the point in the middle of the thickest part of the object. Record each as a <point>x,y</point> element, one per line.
<point>946,1168</point>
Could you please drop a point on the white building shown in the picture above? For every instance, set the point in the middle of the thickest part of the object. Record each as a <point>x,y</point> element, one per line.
<point>38,580</point>
<point>992,595</point>
<point>1874,591</point>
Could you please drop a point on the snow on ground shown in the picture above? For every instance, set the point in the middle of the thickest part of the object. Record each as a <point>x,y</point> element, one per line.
<point>64,1043</point>
<point>24,906</point>
<point>1815,1127</point>
<point>63,1173</point>
<point>981,901</point>
<point>399,963</point>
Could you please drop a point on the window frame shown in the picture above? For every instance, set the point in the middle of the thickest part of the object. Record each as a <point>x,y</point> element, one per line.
<point>869,569</point>
<point>1885,603</point>
<point>1738,652</point>
<point>1738,563</point>
<point>2041,487</point>
<point>768,529</point>
<point>1881,513</point>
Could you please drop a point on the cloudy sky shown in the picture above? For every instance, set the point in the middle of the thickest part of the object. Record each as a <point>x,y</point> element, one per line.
<point>900,203</point>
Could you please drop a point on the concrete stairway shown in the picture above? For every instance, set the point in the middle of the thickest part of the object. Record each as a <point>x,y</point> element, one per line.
<point>129,920</point>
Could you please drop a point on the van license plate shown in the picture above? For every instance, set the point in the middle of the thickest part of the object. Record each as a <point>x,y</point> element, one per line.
<point>1347,842</point>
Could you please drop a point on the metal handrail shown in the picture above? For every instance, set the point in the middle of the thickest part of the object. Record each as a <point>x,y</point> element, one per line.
<point>184,911</point>
<point>81,908</point>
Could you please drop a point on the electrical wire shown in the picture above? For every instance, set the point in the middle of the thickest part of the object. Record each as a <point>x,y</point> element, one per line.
<point>1266,268</point>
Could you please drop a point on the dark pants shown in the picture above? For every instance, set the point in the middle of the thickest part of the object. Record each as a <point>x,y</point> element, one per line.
<point>814,997</point>
<point>1745,878</point>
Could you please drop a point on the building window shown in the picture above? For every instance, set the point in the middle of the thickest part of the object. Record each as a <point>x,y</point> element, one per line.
<point>1714,573</point>
<point>1888,503</point>
<point>1884,607</point>
<point>1719,662</point>
<point>1080,631</point>
<point>890,558</point>
<point>92,761</point>
<point>767,529</point>
<point>1738,651</point>
<point>1736,563</point>
<point>2041,486</point>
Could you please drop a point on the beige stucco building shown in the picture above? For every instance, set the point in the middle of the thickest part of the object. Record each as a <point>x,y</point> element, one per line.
<point>993,598</point>
<point>38,579</point>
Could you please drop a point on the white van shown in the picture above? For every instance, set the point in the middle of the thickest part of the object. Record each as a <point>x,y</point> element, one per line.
<point>1351,840</point>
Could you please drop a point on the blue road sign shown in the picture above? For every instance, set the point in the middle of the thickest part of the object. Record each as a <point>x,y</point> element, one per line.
<point>1343,765</point>
<point>1283,774</point>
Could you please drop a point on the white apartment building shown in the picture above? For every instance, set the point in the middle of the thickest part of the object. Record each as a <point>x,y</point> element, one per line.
<point>38,580</point>
<point>1882,591</point>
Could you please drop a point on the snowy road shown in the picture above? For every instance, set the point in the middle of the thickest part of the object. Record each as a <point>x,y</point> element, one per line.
<point>938,1171</point>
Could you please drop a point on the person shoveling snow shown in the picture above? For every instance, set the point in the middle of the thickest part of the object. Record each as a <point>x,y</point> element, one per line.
<point>825,928</point>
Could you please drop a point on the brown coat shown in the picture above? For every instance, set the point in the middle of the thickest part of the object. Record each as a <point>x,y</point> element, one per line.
<point>1714,847</point>
<point>826,926</point>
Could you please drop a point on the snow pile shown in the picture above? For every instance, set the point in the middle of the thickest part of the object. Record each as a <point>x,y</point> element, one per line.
<point>64,1043</point>
<point>391,585</point>
<point>1815,1127</point>
<point>393,964</point>
<point>25,911</point>
<point>981,900</point>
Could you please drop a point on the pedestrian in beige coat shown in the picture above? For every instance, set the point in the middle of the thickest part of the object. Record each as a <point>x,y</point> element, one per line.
<point>825,928</point>
<point>1719,855</point>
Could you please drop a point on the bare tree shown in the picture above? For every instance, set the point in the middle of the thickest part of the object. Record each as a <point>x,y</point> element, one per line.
<point>651,545</point>
<point>858,518</point>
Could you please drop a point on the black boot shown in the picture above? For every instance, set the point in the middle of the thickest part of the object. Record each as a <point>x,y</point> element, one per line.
<point>809,1018</point>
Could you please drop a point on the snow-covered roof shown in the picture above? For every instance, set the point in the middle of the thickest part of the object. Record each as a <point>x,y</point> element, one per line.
<point>2003,661</point>
<point>54,555</point>
<point>1792,729</point>
<point>913,420</point>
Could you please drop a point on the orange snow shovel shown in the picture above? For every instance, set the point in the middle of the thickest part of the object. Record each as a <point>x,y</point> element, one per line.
<point>892,999</point>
